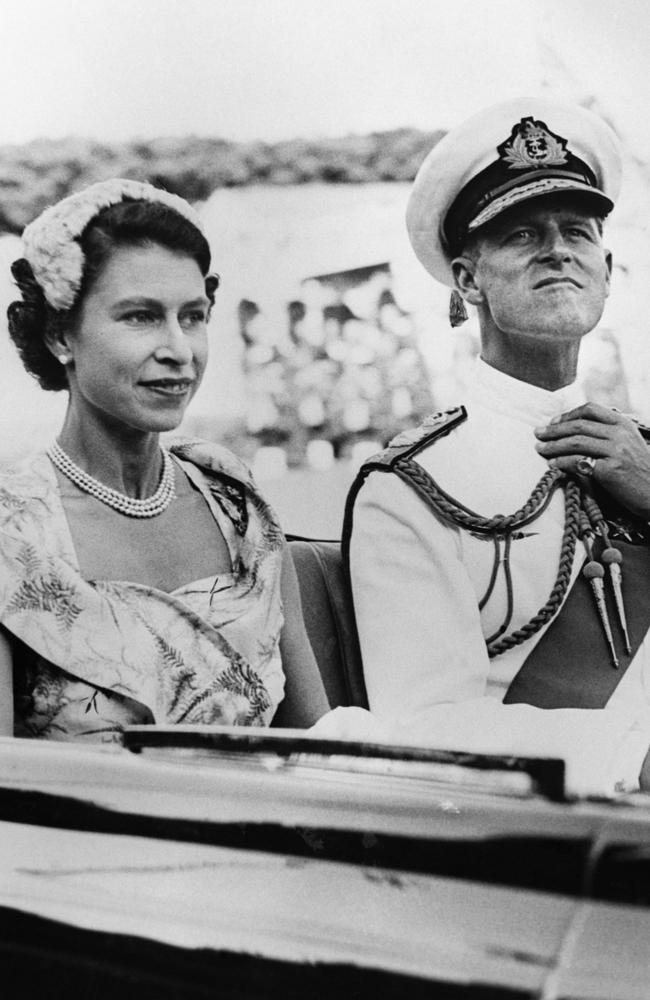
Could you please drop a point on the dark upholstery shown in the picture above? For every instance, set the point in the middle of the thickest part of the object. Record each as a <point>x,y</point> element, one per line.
<point>329,618</point>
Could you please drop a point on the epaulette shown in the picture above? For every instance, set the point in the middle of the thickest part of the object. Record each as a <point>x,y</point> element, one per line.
<point>410,442</point>
<point>404,445</point>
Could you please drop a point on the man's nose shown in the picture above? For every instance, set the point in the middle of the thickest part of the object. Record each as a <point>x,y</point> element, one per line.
<point>555,246</point>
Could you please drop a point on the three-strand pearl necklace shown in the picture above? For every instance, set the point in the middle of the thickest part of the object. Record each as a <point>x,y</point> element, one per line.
<point>123,504</point>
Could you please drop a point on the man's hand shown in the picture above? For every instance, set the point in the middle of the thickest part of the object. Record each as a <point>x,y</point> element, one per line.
<point>622,457</point>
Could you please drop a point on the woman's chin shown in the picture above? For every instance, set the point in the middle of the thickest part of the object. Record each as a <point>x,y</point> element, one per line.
<point>169,423</point>
<point>160,423</point>
<point>165,418</point>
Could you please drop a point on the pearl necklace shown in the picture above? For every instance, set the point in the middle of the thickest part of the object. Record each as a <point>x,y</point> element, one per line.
<point>123,504</point>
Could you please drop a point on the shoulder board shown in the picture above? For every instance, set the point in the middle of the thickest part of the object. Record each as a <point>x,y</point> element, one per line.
<point>403,446</point>
<point>410,442</point>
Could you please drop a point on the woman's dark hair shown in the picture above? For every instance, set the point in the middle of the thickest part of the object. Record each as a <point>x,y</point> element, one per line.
<point>129,223</point>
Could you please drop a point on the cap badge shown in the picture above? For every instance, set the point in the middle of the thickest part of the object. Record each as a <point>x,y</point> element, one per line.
<point>532,144</point>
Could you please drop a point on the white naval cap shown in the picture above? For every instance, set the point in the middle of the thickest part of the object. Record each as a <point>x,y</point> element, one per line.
<point>505,154</point>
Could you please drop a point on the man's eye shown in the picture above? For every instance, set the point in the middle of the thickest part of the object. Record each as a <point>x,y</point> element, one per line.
<point>517,236</point>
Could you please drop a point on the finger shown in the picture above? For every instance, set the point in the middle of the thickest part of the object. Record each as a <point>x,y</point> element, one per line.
<point>572,464</point>
<point>587,444</point>
<point>588,428</point>
<point>590,411</point>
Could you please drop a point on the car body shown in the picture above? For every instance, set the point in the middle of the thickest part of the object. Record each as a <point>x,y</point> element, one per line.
<point>246,864</point>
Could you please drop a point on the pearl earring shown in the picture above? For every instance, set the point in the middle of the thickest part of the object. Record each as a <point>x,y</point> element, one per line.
<point>63,359</point>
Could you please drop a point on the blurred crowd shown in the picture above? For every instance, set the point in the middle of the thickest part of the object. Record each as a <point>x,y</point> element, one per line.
<point>343,375</point>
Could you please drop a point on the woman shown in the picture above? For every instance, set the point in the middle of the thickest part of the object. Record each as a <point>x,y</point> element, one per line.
<point>136,584</point>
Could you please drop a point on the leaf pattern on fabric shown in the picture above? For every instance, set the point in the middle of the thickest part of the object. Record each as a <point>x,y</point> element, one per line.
<point>272,533</point>
<point>227,488</point>
<point>10,502</point>
<point>30,559</point>
<point>47,593</point>
<point>241,679</point>
<point>232,501</point>
<point>92,704</point>
<point>171,657</point>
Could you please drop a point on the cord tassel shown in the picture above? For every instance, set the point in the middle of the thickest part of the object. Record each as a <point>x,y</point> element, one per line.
<point>595,573</point>
<point>612,558</point>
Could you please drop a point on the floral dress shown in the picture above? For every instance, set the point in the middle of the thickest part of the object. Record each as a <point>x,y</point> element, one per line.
<point>93,656</point>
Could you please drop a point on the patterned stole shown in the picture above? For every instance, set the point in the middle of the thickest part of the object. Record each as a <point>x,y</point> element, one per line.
<point>571,665</point>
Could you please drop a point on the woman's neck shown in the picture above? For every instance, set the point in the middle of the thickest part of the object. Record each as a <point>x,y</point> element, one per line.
<point>125,460</point>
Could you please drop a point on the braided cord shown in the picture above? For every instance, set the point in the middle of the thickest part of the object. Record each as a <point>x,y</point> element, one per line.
<point>493,576</point>
<point>510,603</point>
<point>561,585</point>
<point>461,516</point>
<point>504,526</point>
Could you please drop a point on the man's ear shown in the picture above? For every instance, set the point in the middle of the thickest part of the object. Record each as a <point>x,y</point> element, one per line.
<point>464,271</point>
<point>608,264</point>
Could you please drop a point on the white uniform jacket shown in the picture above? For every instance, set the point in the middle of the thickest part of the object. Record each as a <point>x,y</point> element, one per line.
<point>417,582</point>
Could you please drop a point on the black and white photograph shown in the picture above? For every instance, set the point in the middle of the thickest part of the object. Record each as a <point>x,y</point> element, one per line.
<point>324,500</point>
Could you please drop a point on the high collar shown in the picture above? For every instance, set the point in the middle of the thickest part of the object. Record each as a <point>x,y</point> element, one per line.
<point>522,401</point>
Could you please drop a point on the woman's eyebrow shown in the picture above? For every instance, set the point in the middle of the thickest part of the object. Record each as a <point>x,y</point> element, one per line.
<point>140,301</point>
<point>137,300</point>
<point>202,300</point>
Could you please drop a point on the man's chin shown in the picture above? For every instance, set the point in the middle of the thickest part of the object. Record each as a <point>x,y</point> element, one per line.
<point>562,326</point>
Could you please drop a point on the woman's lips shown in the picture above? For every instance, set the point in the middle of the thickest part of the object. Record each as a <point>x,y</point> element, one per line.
<point>169,386</point>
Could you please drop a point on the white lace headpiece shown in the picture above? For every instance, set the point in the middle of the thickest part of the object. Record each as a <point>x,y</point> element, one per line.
<point>51,241</point>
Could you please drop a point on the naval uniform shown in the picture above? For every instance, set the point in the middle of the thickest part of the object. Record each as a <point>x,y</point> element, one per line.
<point>418,581</point>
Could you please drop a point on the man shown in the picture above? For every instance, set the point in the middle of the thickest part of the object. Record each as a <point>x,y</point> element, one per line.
<point>498,554</point>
